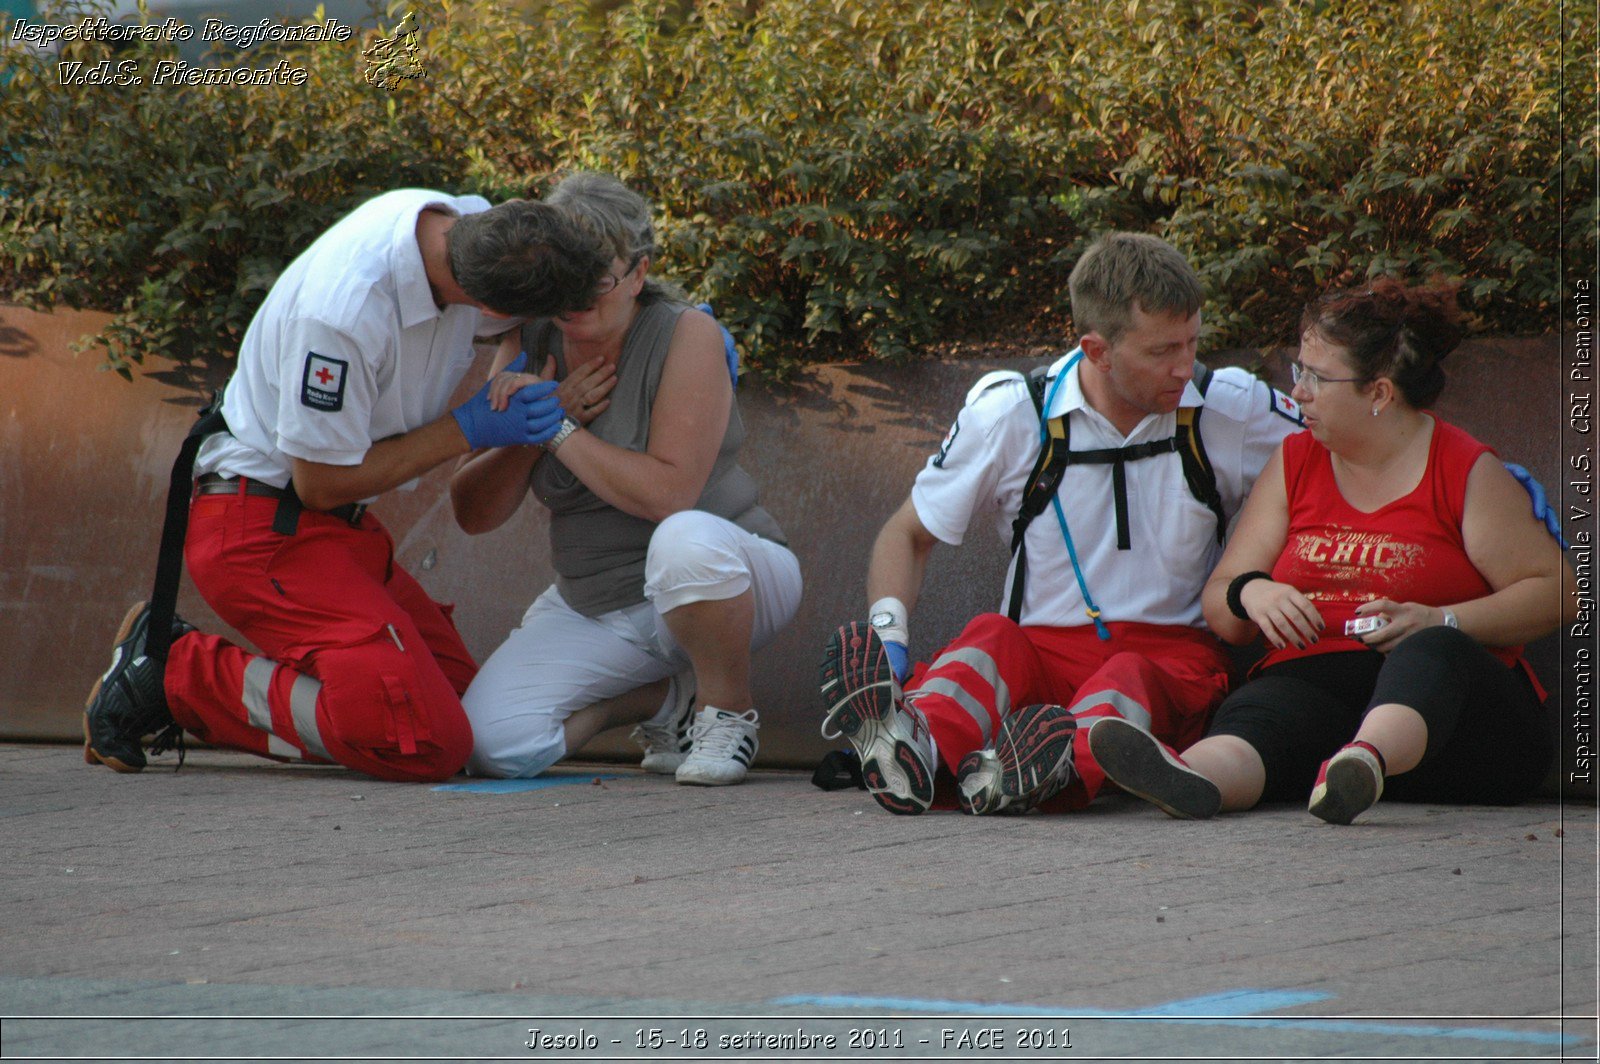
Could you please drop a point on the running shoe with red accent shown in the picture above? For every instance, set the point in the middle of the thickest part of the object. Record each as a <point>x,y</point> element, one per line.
<point>1141,764</point>
<point>1348,784</point>
<point>1029,761</point>
<point>866,706</point>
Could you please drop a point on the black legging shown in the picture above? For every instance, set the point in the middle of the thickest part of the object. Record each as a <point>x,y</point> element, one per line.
<point>1488,743</point>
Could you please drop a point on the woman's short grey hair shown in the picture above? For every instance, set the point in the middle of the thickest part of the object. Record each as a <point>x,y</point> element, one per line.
<point>610,210</point>
<point>618,216</point>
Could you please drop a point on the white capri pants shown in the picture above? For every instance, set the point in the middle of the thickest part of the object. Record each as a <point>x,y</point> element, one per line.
<point>559,661</point>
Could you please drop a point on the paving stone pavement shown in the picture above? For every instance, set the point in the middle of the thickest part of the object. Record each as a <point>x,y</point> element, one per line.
<point>238,908</point>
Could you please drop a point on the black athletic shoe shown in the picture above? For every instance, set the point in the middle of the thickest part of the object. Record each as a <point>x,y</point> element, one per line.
<point>1029,761</point>
<point>128,702</point>
<point>865,706</point>
<point>1137,762</point>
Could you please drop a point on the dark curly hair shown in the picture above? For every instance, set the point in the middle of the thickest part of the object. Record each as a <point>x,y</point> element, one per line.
<point>1390,329</point>
<point>526,259</point>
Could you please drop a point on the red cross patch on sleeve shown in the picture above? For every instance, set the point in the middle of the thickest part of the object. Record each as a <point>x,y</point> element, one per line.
<point>322,387</point>
<point>1287,408</point>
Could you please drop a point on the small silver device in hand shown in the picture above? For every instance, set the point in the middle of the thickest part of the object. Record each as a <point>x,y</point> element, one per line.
<point>1363,625</point>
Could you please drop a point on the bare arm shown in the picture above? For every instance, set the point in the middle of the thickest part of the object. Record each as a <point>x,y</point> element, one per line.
<point>900,558</point>
<point>1531,579</point>
<point>1531,582</point>
<point>387,464</point>
<point>687,424</point>
<point>1278,611</point>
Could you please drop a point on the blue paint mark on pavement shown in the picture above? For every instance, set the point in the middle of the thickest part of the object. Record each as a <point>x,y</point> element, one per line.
<point>1232,1003</point>
<point>1214,1009</point>
<point>538,783</point>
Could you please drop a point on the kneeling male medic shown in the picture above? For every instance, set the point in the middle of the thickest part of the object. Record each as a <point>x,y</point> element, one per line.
<point>344,377</point>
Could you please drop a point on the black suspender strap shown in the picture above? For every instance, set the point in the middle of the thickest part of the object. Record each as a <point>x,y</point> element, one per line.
<point>1119,493</point>
<point>169,559</point>
<point>1118,458</point>
<point>1131,453</point>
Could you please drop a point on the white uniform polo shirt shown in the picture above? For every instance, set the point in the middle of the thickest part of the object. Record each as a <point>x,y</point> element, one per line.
<point>348,348</point>
<point>980,471</point>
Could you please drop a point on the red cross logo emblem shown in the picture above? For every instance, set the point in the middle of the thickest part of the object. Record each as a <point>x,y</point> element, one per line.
<point>322,386</point>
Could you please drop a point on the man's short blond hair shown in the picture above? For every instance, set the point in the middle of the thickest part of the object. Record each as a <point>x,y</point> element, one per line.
<point>1124,270</point>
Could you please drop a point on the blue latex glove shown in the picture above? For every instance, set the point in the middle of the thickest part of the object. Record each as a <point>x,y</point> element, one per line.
<point>1541,505</point>
<point>533,415</point>
<point>728,348</point>
<point>899,659</point>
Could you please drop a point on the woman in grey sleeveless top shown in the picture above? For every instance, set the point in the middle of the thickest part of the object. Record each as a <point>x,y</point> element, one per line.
<point>668,571</point>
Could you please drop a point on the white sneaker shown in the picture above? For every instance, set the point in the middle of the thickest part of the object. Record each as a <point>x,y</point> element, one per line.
<point>665,737</point>
<point>723,745</point>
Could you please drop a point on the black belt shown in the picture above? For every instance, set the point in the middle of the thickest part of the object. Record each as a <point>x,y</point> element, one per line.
<point>216,484</point>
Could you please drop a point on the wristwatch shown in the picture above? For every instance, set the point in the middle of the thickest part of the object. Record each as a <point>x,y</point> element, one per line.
<point>1450,618</point>
<point>568,427</point>
<point>881,620</point>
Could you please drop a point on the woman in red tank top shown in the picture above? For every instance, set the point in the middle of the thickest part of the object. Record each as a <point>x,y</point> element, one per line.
<point>1394,568</point>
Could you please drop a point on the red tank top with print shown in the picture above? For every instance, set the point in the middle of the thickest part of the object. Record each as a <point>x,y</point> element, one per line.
<point>1409,550</point>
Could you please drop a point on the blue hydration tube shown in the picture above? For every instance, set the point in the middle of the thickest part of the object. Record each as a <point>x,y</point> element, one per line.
<point>1055,500</point>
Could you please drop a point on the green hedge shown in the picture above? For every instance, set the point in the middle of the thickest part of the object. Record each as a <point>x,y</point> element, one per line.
<point>847,180</point>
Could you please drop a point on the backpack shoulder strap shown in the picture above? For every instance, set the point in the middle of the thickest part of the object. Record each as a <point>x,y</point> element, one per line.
<point>1042,483</point>
<point>1198,471</point>
<point>1051,464</point>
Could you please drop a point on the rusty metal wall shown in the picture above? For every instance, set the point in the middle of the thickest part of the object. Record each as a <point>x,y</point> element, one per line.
<point>84,460</point>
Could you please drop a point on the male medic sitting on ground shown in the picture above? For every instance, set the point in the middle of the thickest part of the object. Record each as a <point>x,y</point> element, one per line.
<point>1154,455</point>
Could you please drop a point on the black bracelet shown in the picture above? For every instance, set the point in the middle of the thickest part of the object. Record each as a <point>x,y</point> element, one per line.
<point>1236,588</point>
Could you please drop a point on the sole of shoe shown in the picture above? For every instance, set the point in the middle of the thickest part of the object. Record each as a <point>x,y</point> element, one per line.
<point>696,779</point>
<point>858,685</point>
<point>90,755</point>
<point>662,764</point>
<point>1027,752</point>
<point>1347,791</point>
<point>1135,761</point>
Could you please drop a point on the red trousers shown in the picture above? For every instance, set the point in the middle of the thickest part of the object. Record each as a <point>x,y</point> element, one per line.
<point>1167,678</point>
<point>357,666</point>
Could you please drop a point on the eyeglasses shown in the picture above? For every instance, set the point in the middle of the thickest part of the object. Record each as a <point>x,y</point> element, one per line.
<point>1310,379</point>
<point>609,281</point>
